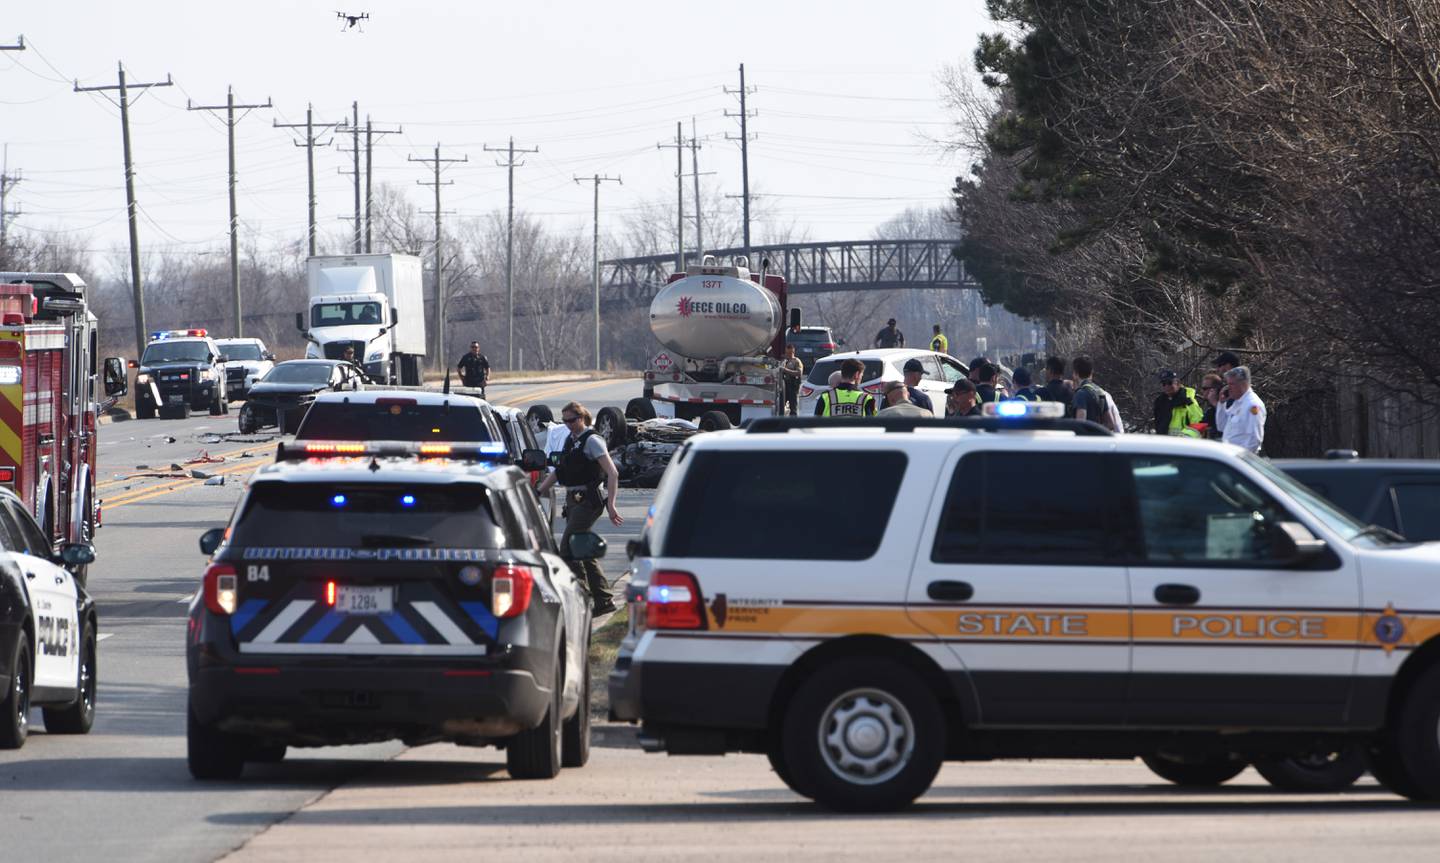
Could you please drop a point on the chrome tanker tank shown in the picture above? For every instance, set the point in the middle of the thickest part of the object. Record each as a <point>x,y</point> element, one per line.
<point>715,312</point>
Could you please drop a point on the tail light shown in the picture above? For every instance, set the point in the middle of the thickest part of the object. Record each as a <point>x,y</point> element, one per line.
<point>673,601</point>
<point>829,346</point>
<point>807,390</point>
<point>222,588</point>
<point>510,588</point>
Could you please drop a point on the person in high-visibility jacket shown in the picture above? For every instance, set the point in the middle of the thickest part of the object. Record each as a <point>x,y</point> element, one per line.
<point>846,399</point>
<point>938,343</point>
<point>1176,408</point>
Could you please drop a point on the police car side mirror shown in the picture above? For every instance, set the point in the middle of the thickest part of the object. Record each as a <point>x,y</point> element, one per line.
<point>117,382</point>
<point>211,539</point>
<point>637,548</point>
<point>533,459</point>
<point>300,321</point>
<point>268,355</point>
<point>394,317</point>
<point>77,554</point>
<point>1293,543</point>
<point>587,546</point>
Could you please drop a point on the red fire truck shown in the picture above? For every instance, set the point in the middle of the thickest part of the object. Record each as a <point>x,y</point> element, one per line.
<point>52,388</point>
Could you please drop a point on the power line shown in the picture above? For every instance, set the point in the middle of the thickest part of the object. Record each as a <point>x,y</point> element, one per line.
<point>230,121</point>
<point>510,165</point>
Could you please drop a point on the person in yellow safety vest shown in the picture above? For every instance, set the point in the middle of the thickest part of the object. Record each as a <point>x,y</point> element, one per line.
<point>985,388</point>
<point>938,343</point>
<point>846,399</point>
<point>1176,408</point>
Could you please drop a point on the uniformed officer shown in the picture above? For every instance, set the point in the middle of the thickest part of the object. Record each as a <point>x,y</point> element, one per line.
<point>584,464</point>
<point>1176,408</point>
<point>1245,416</point>
<point>846,399</point>
<point>938,343</point>
<point>985,390</point>
<point>1024,390</point>
<point>961,400</point>
<point>474,369</point>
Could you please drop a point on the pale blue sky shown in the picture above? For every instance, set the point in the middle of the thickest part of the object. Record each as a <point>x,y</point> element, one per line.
<point>848,93</point>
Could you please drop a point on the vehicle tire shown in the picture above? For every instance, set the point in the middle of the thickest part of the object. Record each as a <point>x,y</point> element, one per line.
<point>575,740</point>
<point>539,416</point>
<point>1314,771</point>
<point>1413,739</point>
<point>1204,772</point>
<point>715,421</point>
<point>640,410</point>
<point>217,404</point>
<point>212,753</point>
<point>144,412</point>
<point>535,754</point>
<point>863,735</point>
<point>271,753</point>
<point>610,425</point>
<point>77,718</point>
<point>15,709</point>
<point>246,422</point>
<point>775,753</point>
<point>1388,770</point>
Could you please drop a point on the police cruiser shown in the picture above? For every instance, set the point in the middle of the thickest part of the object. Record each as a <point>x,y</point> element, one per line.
<point>47,630</point>
<point>889,593</point>
<point>368,591</point>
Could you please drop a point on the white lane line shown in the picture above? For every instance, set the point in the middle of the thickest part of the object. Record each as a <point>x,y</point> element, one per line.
<point>184,600</point>
<point>104,635</point>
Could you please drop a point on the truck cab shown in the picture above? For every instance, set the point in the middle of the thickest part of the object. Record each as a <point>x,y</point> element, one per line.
<point>372,304</point>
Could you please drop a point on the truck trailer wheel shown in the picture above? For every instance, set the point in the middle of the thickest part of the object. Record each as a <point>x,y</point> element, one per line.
<point>639,410</point>
<point>715,421</point>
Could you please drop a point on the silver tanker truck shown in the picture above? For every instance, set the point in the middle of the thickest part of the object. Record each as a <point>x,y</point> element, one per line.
<point>723,332</point>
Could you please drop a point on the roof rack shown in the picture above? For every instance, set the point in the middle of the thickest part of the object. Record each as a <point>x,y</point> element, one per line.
<point>780,425</point>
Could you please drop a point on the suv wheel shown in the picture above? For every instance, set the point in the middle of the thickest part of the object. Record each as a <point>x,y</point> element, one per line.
<point>1203,772</point>
<point>862,736</point>
<point>535,754</point>
<point>575,742</point>
<point>77,718</point>
<point>247,423</point>
<point>15,709</point>
<point>1314,771</point>
<point>212,753</point>
<point>1413,741</point>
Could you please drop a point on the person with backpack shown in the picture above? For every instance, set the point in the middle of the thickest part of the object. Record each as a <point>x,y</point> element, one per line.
<point>1090,401</point>
<point>1025,391</point>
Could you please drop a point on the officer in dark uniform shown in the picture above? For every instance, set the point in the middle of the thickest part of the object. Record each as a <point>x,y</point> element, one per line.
<point>1024,390</point>
<point>584,464</point>
<point>985,384</point>
<point>474,369</point>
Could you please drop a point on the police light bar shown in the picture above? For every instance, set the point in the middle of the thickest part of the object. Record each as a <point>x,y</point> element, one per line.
<point>459,451</point>
<point>162,335</point>
<point>1019,409</point>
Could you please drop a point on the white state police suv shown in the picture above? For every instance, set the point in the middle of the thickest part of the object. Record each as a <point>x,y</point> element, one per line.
<point>887,594</point>
<point>47,630</point>
<point>371,591</point>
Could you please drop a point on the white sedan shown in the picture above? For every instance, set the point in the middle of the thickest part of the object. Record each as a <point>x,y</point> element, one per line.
<point>881,365</point>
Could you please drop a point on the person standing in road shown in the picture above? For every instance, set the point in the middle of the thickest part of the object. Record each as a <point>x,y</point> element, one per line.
<point>890,337</point>
<point>1176,408</point>
<point>938,343</point>
<point>897,404</point>
<point>985,384</point>
<point>1210,388</point>
<point>914,372</point>
<point>792,370</point>
<point>584,464</point>
<point>961,400</point>
<point>1024,391</point>
<point>846,399</point>
<point>1092,402</point>
<point>1245,423</point>
<point>474,369</point>
<point>1057,388</point>
<point>348,356</point>
<point>1223,364</point>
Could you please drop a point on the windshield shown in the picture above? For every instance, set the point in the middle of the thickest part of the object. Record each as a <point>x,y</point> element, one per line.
<point>340,314</point>
<point>241,351</point>
<point>389,419</point>
<point>820,372</point>
<point>367,516</point>
<point>809,337</point>
<point>174,352</point>
<point>1328,513</point>
<point>298,373</point>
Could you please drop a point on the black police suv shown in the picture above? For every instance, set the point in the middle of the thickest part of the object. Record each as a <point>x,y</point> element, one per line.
<point>177,374</point>
<point>375,591</point>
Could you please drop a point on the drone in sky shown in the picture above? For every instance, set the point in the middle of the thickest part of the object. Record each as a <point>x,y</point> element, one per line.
<point>352,22</point>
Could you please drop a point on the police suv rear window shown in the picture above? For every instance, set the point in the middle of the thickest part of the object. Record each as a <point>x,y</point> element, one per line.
<point>820,372</point>
<point>1021,507</point>
<point>392,421</point>
<point>787,505</point>
<point>296,515</point>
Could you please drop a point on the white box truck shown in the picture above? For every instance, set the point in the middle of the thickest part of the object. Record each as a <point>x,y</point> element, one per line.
<point>372,303</point>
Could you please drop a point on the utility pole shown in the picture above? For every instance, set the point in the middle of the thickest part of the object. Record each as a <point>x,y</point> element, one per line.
<point>597,180</point>
<point>510,164</point>
<point>309,146</point>
<point>135,283</point>
<point>438,162</point>
<point>744,115</point>
<point>7,182</point>
<point>230,121</point>
<point>695,172</point>
<point>370,133</point>
<point>353,127</point>
<point>679,146</point>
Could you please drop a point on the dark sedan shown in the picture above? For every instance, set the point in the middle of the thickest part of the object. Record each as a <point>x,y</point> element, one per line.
<point>281,398</point>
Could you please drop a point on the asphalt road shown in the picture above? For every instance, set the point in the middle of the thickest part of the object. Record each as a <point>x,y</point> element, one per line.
<point>122,792</point>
